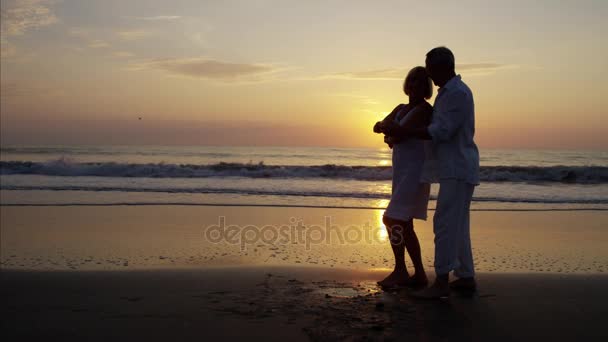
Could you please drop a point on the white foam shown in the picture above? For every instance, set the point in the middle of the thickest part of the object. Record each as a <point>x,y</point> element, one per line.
<point>65,167</point>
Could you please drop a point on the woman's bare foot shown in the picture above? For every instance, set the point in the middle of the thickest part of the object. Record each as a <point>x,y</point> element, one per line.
<point>396,278</point>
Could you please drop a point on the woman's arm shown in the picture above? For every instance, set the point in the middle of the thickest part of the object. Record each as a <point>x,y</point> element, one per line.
<point>417,121</point>
<point>391,115</point>
<point>378,127</point>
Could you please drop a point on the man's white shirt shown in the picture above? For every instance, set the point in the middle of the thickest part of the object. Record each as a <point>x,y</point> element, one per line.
<point>452,130</point>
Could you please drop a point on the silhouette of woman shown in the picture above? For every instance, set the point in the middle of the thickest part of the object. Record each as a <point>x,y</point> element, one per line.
<point>409,198</point>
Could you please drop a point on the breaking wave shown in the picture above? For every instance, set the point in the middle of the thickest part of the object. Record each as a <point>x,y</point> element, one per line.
<point>64,167</point>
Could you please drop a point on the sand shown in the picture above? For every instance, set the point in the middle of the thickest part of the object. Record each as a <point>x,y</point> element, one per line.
<point>155,237</point>
<point>151,273</point>
<point>279,303</point>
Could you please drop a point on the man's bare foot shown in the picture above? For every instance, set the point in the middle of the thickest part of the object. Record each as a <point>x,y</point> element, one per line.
<point>435,291</point>
<point>417,281</point>
<point>464,284</point>
<point>396,278</point>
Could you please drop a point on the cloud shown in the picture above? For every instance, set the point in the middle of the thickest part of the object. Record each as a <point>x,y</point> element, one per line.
<point>88,38</point>
<point>16,89</point>
<point>159,18</point>
<point>20,16</point>
<point>79,32</point>
<point>481,66</point>
<point>363,99</point>
<point>201,67</point>
<point>132,34</point>
<point>400,73</point>
<point>122,54</point>
<point>98,44</point>
<point>378,74</point>
<point>6,48</point>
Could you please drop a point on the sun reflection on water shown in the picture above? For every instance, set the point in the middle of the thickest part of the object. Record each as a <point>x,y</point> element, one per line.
<point>381,232</point>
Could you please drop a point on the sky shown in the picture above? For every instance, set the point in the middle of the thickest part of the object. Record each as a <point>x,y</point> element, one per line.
<point>294,73</point>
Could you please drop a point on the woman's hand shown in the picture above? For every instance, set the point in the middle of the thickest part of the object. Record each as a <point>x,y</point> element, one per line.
<point>390,128</point>
<point>378,127</point>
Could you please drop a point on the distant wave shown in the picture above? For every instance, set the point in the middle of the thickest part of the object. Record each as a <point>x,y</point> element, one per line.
<point>104,151</point>
<point>160,151</point>
<point>63,167</point>
<point>289,192</point>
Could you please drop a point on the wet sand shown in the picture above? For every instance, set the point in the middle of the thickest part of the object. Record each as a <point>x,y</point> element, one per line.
<point>302,303</point>
<point>101,273</point>
<point>156,237</point>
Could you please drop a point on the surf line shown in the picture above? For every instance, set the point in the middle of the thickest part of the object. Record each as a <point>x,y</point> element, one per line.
<point>269,205</point>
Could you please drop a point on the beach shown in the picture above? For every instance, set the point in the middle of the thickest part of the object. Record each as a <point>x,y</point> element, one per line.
<point>100,272</point>
<point>224,170</point>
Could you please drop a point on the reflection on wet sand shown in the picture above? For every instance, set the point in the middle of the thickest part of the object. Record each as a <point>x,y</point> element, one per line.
<point>132,238</point>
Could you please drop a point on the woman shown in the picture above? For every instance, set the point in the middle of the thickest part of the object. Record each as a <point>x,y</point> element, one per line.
<point>409,196</point>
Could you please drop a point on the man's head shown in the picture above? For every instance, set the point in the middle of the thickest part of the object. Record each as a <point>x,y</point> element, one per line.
<point>440,65</point>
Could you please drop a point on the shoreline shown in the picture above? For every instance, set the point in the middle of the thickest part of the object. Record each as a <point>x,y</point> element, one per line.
<point>301,206</point>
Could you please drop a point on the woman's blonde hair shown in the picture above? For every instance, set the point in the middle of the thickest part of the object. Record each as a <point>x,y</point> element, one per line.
<point>420,72</point>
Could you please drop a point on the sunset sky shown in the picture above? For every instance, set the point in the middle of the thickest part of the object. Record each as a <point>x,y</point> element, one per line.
<point>295,73</point>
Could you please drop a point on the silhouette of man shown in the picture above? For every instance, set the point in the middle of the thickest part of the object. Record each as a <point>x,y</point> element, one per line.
<point>452,129</point>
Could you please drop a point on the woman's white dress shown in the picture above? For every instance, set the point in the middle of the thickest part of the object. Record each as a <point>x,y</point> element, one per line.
<point>410,196</point>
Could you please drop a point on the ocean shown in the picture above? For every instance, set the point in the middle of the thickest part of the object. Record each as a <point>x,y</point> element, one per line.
<point>283,176</point>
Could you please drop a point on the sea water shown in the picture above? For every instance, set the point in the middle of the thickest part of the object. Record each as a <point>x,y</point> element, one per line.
<point>283,176</point>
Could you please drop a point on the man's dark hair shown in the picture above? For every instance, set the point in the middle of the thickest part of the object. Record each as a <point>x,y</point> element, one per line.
<point>441,56</point>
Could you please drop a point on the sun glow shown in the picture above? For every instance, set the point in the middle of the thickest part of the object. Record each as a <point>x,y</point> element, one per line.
<point>75,73</point>
<point>381,232</point>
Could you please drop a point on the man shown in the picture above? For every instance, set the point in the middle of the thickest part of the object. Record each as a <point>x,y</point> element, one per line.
<point>452,129</point>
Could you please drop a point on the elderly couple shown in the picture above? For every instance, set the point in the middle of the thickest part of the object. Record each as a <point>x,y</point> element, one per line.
<point>432,143</point>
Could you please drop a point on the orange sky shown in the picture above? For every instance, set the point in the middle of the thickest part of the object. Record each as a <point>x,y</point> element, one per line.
<point>294,73</point>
